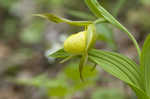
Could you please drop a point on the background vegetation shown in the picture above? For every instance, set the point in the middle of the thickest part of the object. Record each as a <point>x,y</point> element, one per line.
<point>27,73</point>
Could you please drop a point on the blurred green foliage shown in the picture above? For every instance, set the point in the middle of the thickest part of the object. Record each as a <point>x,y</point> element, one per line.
<point>66,83</point>
<point>145,2</point>
<point>105,33</point>
<point>7,3</point>
<point>33,33</point>
<point>108,93</point>
<point>10,27</point>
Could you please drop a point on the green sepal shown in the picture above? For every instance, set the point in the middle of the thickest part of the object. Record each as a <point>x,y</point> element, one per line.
<point>57,19</point>
<point>82,63</point>
<point>59,54</point>
<point>90,37</point>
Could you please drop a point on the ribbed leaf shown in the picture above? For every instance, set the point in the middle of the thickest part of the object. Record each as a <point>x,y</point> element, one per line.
<point>58,19</point>
<point>116,64</point>
<point>93,8</point>
<point>120,64</point>
<point>121,67</point>
<point>145,64</point>
<point>140,93</point>
<point>99,11</point>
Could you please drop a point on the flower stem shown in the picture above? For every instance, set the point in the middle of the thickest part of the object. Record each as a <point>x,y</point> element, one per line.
<point>133,40</point>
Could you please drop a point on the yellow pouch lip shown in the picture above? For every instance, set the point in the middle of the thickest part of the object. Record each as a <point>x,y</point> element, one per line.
<point>76,43</point>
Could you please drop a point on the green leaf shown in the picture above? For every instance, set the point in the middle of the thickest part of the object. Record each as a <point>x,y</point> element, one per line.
<point>93,8</point>
<point>121,67</point>
<point>140,93</point>
<point>59,54</point>
<point>127,68</point>
<point>145,64</point>
<point>100,12</point>
<point>58,19</point>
